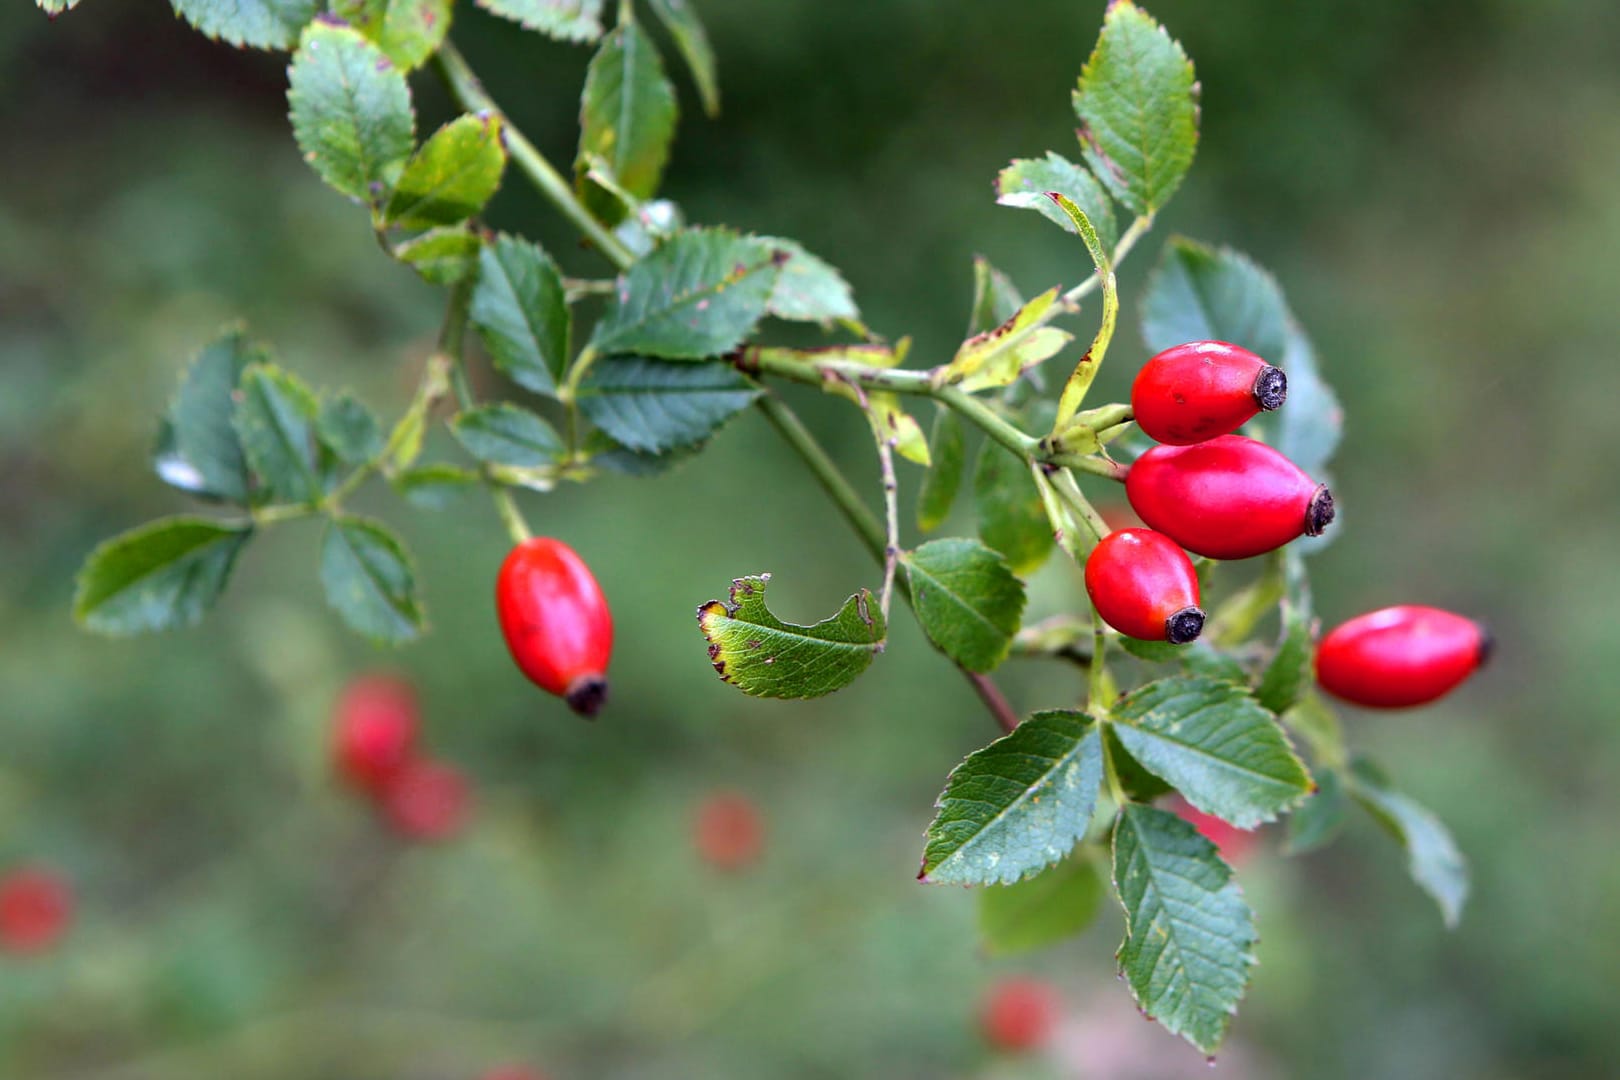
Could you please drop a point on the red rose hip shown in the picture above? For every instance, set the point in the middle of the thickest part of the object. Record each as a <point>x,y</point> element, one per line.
<point>1398,657</point>
<point>728,831</point>
<point>375,730</point>
<point>556,622</point>
<point>1227,498</point>
<point>36,906</point>
<point>1194,392</point>
<point>427,800</point>
<point>1020,1014</point>
<point>1144,586</point>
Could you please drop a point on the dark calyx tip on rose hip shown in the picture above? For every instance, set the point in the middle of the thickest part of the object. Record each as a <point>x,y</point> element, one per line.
<point>1319,514</point>
<point>1270,388</point>
<point>586,695</point>
<point>1184,626</point>
<point>1487,645</point>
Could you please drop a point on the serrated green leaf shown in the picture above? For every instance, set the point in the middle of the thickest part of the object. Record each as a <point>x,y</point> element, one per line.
<point>765,657</point>
<point>626,120</point>
<point>349,429</point>
<point>1189,935</point>
<point>942,481</point>
<point>565,20</point>
<point>1054,172</point>
<point>1214,744</point>
<point>697,296</point>
<point>351,111</point>
<point>520,310</point>
<point>369,580</point>
<point>409,31</point>
<point>275,421</point>
<point>506,434</point>
<point>652,406</point>
<point>686,28</point>
<point>1012,518</point>
<point>1319,818</point>
<point>614,456</point>
<point>163,575</point>
<point>1432,857</point>
<point>260,24</point>
<point>967,600</point>
<point>1138,109</point>
<point>808,289</point>
<point>452,176</point>
<point>1040,911</point>
<point>1019,804</point>
<point>1139,784</point>
<point>996,357</point>
<point>442,256</point>
<point>1198,293</point>
<point>204,454</point>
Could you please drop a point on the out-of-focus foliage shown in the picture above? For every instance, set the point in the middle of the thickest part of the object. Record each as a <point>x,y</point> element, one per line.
<point>1433,184</point>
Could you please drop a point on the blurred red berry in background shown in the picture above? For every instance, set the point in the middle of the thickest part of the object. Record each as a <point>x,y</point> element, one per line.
<point>374,734</point>
<point>427,800</point>
<point>513,1072</point>
<point>1020,1013</point>
<point>36,907</point>
<point>1234,844</point>
<point>728,831</point>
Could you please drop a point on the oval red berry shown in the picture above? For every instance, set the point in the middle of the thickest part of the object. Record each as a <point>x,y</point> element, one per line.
<point>1400,657</point>
<point>375,730</point>
<point>1228,498</point>
<point>1020,1014</point>
<point>1193,392</point>
<point>1144,586</point>
<point>556,621</point>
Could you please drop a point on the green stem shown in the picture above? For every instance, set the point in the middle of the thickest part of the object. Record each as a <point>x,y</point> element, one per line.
<point>1116,788</point>
<point>1075,499</point>
<point>452,341</point>
<point>1097,675</point>
<point>511,516</point>
<point>468,93</point>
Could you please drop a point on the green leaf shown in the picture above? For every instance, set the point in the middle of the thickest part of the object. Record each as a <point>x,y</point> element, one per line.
<point>995,298</point>
<point>369,580</point>
<point>1199,658</point>
<point>163,575</point>
<point>997,357</point>
<point>1040,911</point>
<point>260,24</point>
<point>686,28</point>
<point>697,296</point>
<point>405,440</point>
<point>275,420</point>
<point>1019,804</point>
<point>565,20</point>
<point>627,119</point>
<point>1319,818</point>
<point>1314,720</point>
<point>967,600</point>
<point>349,429</point>
<point>808,289</point>
<point>1198,293</point>
<point>1288,675</point>
<point>652,406</point>
<point>1214,744</point>
<point>763,656</point>
<point>451,178</point>
<point>941,482</point>
<point>204,455</point>
<point>521,312</point>
<point>1138,109</point>
<point>506,434</point>
<point>53,8</point>
<point>435,486</point>
<point>409,31</point>
<point>1432,856</point>
<point>1012,518</point>
<point>1189,936</point>
<point>1139,784</point>
<point>1036,176</point>
<point>442,256</point>
<point>351,111</point>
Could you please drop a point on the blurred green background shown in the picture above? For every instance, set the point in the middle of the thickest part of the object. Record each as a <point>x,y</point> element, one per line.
<point>1433,183</point>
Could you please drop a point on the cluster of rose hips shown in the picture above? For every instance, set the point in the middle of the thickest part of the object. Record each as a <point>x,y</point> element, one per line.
<point>1224,496</point>
<point>375,750</point>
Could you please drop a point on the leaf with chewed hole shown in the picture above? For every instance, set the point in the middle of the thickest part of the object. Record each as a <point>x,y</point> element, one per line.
<point>763,656</point>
